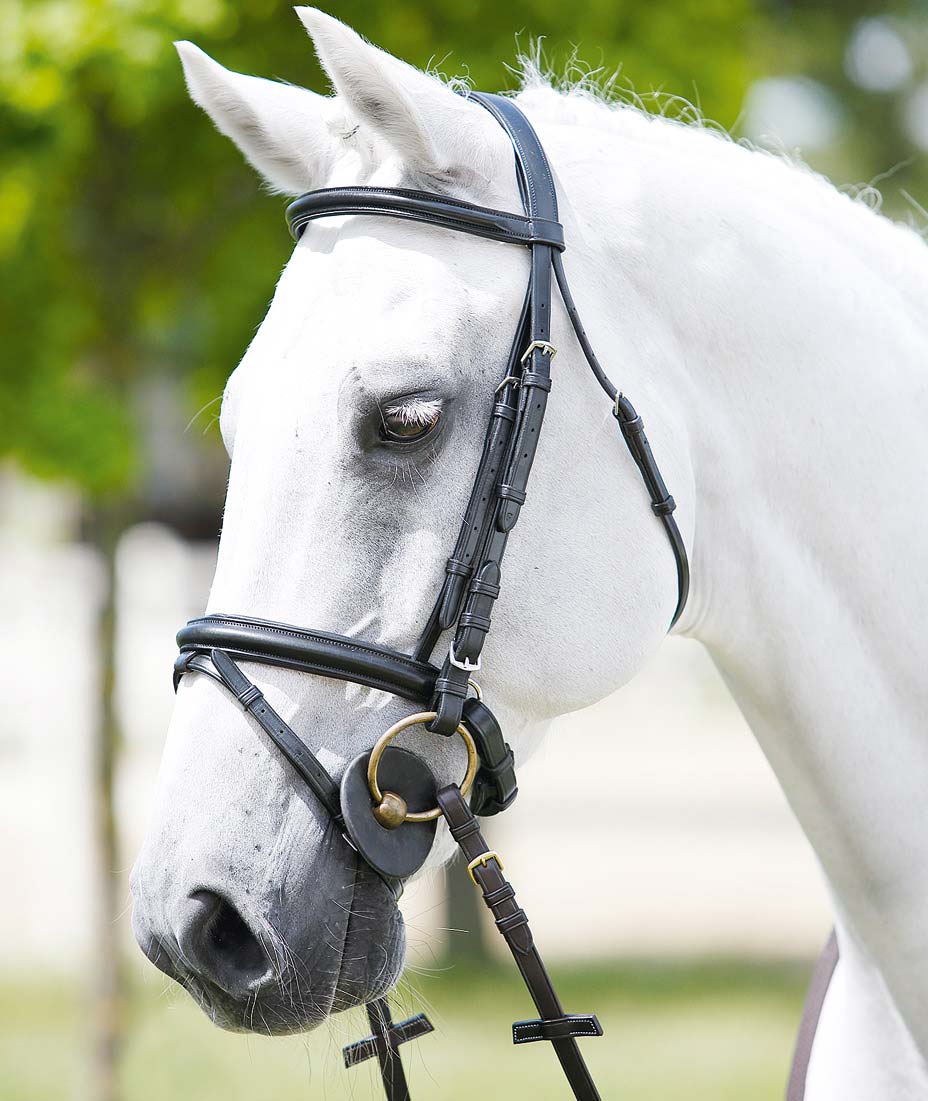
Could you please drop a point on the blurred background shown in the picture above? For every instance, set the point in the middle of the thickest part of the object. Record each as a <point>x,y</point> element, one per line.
<point>138,256</point>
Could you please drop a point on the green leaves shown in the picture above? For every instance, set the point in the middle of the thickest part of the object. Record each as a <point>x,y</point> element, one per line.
<point>70,428</point>
<point>135,241</point>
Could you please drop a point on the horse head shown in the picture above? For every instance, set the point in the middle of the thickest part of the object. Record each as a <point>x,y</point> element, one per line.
<point>354,425</point>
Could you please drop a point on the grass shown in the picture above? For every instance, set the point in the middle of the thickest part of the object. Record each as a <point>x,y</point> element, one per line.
<point>706,1032</point>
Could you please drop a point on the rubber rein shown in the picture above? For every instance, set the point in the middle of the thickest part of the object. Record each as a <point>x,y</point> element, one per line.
<point>386,803</point>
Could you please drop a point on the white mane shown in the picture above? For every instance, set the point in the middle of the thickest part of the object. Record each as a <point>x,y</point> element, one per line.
<point>896,249</point>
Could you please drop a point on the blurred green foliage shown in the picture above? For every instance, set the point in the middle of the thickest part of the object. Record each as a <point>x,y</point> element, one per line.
<point>872,145</point>
<point>133,238</point>
<point>672,1032</point>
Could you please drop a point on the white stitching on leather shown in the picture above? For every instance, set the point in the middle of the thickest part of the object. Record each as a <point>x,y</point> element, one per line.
<point>359,647</point>
<point>532,1030</point>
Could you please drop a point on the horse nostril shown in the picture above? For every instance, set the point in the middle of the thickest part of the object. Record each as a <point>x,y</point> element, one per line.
<point>228,935</point>
<point>217,941</point>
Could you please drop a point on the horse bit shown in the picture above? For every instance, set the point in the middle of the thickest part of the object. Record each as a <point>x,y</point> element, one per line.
<point>381,802</point>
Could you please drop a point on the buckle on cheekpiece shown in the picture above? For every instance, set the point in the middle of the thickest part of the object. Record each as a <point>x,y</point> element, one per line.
<point>542,345</point>
<point>466,666</point>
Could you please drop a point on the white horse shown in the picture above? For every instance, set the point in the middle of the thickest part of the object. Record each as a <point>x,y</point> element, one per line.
<point>774,334</point>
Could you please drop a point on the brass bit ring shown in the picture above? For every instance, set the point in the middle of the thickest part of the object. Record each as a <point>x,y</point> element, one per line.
<point>384,740</point>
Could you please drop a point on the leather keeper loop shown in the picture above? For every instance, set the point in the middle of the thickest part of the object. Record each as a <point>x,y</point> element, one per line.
<point>449,697</point>
<point>664,507</point>
<point>250,696</point>
<point>508,492</point>
<point>512,921</point>
<point>630,428</point>
<point>485,587</point>
<point>445,686</point>
<point>462,832</point>
<point>556,1028</point>
<point>450,709</point>
<point>507,412</point>
<point>458,568</point>
<point>501,894</point>
<point>493,772</point>
<point>478,622</point>
<point>537,379</point>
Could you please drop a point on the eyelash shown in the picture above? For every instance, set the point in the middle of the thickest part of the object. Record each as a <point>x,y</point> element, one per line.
<point>412,421</point>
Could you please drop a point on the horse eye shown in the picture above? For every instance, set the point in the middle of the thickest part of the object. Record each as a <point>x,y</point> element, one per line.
<point>408,423</point>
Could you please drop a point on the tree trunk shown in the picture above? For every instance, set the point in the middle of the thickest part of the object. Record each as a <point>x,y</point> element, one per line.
<point>467,942</point>
<point>107,989</point>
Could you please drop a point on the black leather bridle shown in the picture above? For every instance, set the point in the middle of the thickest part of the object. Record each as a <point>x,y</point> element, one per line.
<point>372,802</point>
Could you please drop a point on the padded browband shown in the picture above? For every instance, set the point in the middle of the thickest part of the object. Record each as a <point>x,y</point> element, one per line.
<point>317,652</point>
<point>423,206</point>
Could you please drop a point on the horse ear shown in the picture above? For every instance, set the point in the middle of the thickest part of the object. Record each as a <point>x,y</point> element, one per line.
<point>434,131</point>
<point>284,131</point>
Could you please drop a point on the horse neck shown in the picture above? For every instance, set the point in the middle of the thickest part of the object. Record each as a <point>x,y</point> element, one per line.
<point>778,328</point>
<point>803,336</point>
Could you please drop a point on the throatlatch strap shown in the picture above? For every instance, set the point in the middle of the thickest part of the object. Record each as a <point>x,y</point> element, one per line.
<point>486,870</point>
<point>662,503</point>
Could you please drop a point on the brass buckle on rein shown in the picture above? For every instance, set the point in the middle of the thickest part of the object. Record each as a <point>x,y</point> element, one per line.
<point>481,860</point>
